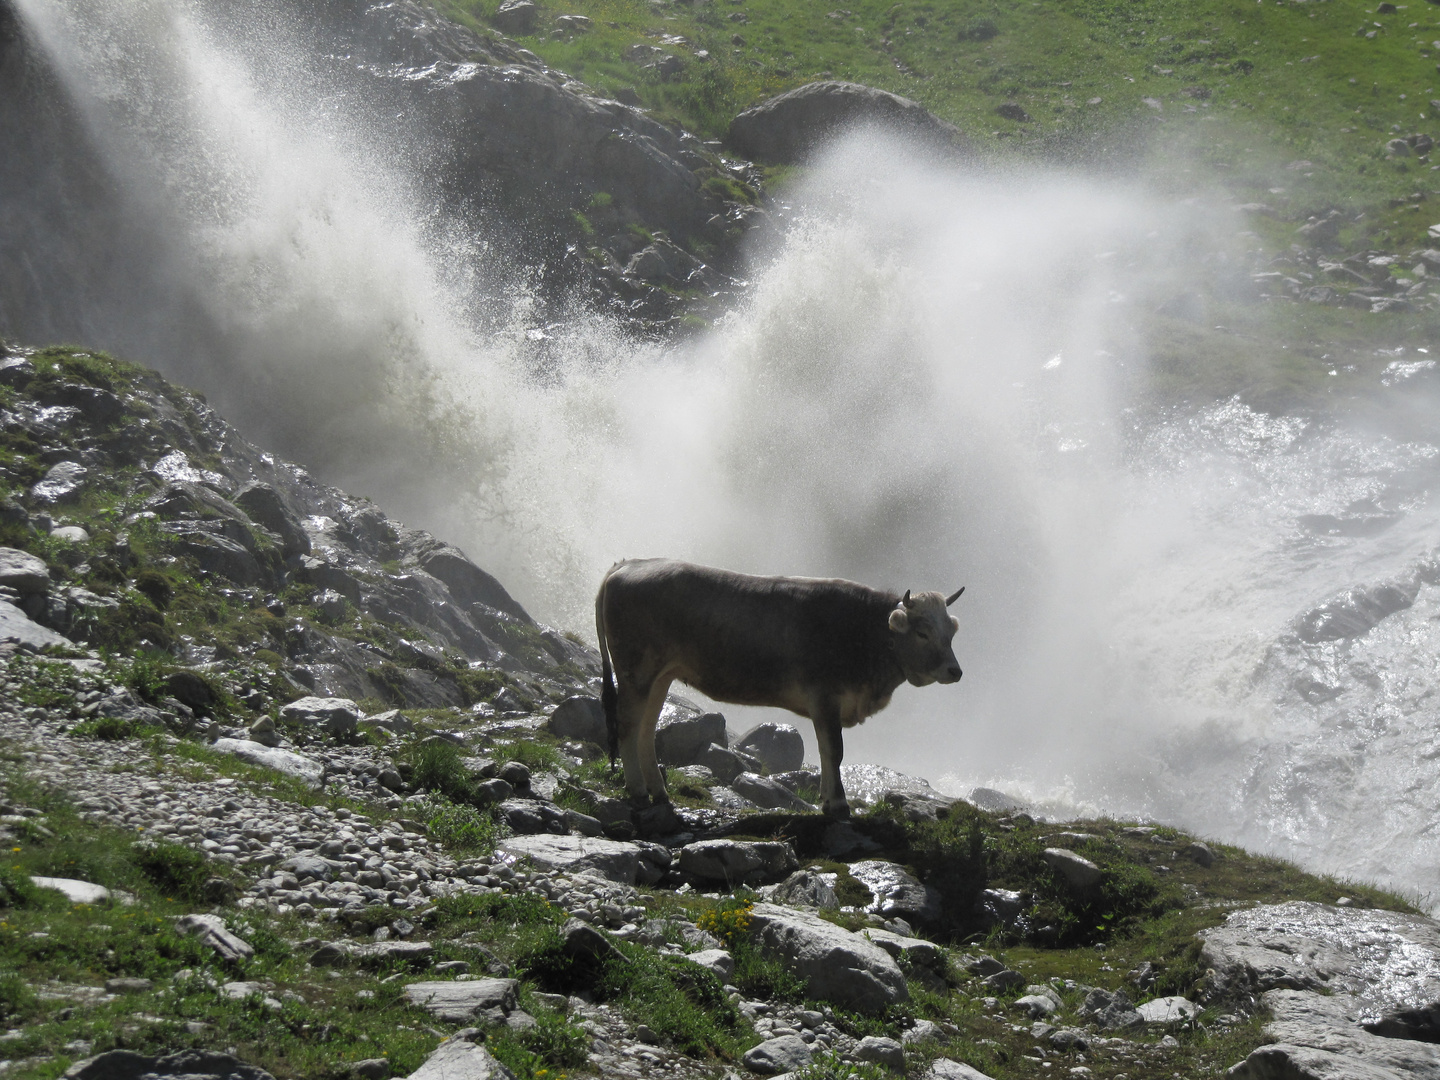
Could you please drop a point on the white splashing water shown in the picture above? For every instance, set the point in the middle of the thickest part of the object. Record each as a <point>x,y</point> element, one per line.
<point>926,389</point>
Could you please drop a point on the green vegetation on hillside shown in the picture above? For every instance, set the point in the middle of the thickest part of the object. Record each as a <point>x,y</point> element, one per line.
<point>1292,101</point>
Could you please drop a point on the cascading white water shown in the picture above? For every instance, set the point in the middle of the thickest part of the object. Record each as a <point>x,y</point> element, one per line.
<point>928,387</point>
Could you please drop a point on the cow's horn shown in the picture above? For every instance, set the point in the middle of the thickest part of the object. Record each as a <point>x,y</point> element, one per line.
<point>905,600</point>
<point>951,599</point>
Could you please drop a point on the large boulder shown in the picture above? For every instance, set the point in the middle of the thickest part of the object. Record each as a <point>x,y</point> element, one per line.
<point>779,747</point>
<point>23,572</point>
<point>738,862</point>
<point>461,1057</point>
<point>337,716</point>
<point>183,1065</point>
<point>458,1002</point>
<point>466,581</point>
<point>580,717</point>
<point>837,966</point>
<point>285,761</point>
<point>682,734</point>
<point>767,794</point>
<point>18,627</point>
<point>783,1054</point>
<point>788,128</point>
<point>1324,1037</point>
<point>266,507</point>
<point>615,860</point>
<point>897,893</point>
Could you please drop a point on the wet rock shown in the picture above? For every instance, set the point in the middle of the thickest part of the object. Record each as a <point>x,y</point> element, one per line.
<point>285,761</point>
<point>457,1002</point>
<point>461,1057</point>
<point>1168,1010</point>
<point>1001,905</point>
<point>1078,871</point>
<point>997,802</point>
<point>681,735</point>
<point>836,965</point>
<point>267,507</point>
<point>466,581</point>
<point>61,483</point>
<point>335,716</point>
<point>611,859</point>
<point>788,128</point>
<point>185,1065</point>
<point>805,888</point>
<point>782,1055</point>
<point>515,17</point>
<point>580,718</point>
<point>736,862</point>
<point>896,892</point>
<point>779,747</point>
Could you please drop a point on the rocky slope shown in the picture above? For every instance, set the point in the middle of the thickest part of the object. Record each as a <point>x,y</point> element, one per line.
<point>294,790</point>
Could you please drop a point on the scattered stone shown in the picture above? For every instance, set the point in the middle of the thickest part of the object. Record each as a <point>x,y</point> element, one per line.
<point>726,764</point>
<point>1109,1011</point>
<point>127,986</point>
<point>61,483</point>
<point>211,931</point>
<point>997,802</point>
<point>1168,1010</point>
<point>457,1002</point>
<point>516,17</point>
<point>336,716</point>
<point>1078,871</point>
<point>896,892</point>
<point>583,940</point>
<point>946,1069</point>
<point>781,1055</point>
<point>718,961</point>
<point>882,1051</point>
<point>377,955</point>
<point>836,965</point>
<point>77,892</point>
<point>23,572</point>
<point>461,1057</point>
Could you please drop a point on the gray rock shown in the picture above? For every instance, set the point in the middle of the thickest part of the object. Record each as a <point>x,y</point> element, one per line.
<point>337,716</point>
<point>371,1069</point>
<point>896,892</point>
<point>996,802</point>
<point>515,17</point>
<point>767,794</point>
<point>726,764</point>
<point>127,986</point>
<point>914,951</point>
<point>836,965</point>
<point>736,862</point>
<point>529,816</point>
<point>882,1051</point>
<point>614,860</point>
<point>211,931</point>
<point>946,1069</point>
<point>267,507</point>
<point>1078,871</point>
<point>461,1057</point>
<point>580,718</point>
<point>1004,980</point>
<point>1320,1037</point>
<point>583,824</point>
<point>457,1002</point>
<point>1168,1010</point>
<point>921,1031</point>
<point>71,534</point>
<point>308,868</point>
<point>1036,1005</point>
<point>717,961</point>
<point>681,735</point>
<point>61,483</point>
<point>391,720</point>
<point>373,954</point>
<point>782,1055</point>
<point>185,1065</point>
<point>779,747</point>
<point>788,128</point>
<point>805,888</point>
<point>1199,852</point>
<point>583,940</point>
<point>466,581</point>
<point>23,572</point>
<point>1111,1012</point>
<point>1001,905</point>
<point>77,892</point>
<point>18,627</point>
<point>841,840</point>
<point>285,761</point>
<point>1070,1039</point>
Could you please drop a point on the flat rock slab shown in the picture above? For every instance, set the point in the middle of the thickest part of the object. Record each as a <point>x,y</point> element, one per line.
<point>614,860</point>
<point>896,892</point>
<point>1389,960</point>
<point>338,716</point>
<point>946,1069</point>
<point>1167,1010</point>
<point>23,572</point>
<point>211,931</point>
<point>457,1002</point>
<point>460,1057</point>
<point>913,950</point>
<point>736,862</point>
<point>270,757</point>
<point>78,892</point>
<point>377,954</point>
<point>18,627</point>
<point>187,1064</point>
<point>1323,1038</point>
<point>836,965</point>
<point>1079,871</point>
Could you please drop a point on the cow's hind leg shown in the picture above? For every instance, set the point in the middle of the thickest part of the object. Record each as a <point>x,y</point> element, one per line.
<point>829,734</point>
<point>630,706</point>
<point>649,763</point>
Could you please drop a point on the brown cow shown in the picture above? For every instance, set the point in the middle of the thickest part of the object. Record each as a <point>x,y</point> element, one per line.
<point>830,650</point>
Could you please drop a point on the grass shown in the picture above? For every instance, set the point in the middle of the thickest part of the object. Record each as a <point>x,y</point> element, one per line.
<point>1276,95</point>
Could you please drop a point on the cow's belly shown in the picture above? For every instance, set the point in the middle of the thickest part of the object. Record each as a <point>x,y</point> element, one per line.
<point>739,689</point>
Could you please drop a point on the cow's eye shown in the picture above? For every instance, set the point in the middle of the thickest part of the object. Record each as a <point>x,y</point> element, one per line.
<point>922,633</point>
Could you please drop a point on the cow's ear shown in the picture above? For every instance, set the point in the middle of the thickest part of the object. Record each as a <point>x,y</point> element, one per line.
<point>954,624</point>
<point>899,620</point>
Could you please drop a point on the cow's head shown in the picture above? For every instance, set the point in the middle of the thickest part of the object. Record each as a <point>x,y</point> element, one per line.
<point>921,630</point>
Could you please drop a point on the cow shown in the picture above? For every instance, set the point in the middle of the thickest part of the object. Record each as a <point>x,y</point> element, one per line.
<point>830,650</point>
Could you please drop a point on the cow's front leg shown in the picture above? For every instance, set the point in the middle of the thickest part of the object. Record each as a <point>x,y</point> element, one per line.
<point>828,733</point>
<point>654,775</point>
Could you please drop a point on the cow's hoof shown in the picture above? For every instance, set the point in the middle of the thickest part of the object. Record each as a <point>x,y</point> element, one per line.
<point>840,811</point>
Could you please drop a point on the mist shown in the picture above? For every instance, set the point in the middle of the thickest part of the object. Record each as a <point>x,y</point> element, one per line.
<point>932,383</point>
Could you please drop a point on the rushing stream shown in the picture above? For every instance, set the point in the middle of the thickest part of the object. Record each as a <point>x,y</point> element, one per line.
<point>1220,618</point>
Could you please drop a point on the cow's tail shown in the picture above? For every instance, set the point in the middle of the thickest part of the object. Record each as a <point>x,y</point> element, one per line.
<point>609,700</point>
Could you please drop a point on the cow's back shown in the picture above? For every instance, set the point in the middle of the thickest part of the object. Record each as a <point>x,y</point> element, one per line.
<point>740,637</point>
